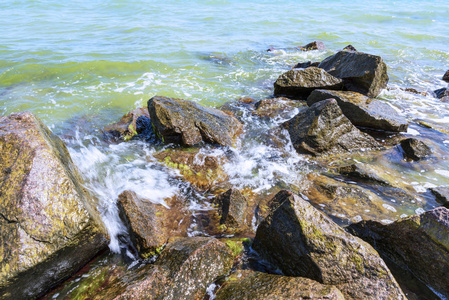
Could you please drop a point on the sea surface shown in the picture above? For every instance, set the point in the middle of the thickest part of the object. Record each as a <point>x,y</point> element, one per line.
<point>80,65</point>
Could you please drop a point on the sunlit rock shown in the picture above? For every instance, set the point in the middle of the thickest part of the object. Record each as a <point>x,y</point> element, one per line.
<point>301,241</point>
<point>324,129</point>
<point>315,45</point>
<point>277,107</point>
<point>232,207</point>
<point>256,285</point>
<point>299,83</point>
<point>361,72</point>
<point>49,225</point>
<point>362,110</point>
<point>418,244</point>
<point>188,123</point>
<point>415,149</point>
<point>130,125</point>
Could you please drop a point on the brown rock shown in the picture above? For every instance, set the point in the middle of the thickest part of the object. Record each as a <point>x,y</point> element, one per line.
<point>151,225</point>
<point>126,128</point>
<point>315,45</point>
<point>324,129</point>
<point>350,48</point>
<point>49,225</point>
<point>188,123</point>
<point>301,241</point>
<point>441,194</point>
<point>232,207</point>
<point>415,149</point>
<point>277,107</point>
<point>446,76</point>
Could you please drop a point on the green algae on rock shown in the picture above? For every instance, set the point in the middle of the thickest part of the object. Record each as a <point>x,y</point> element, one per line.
<point>188,123</point>
<point>126,128</point>
<point>256,285</point>
<point>49,223</point>
<point>301,241</point>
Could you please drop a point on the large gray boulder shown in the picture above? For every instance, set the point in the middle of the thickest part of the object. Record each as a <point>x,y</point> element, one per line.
<point>302,241</point>
<point>323,128</point>
<point>361,72</point>
<point>418,244</point>
<point>188,123</point>
<point>299,83</point>
<point>49,225</point>
<point>362,110</point>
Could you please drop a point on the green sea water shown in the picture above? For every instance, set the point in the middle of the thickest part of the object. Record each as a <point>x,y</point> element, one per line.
<point>80,65</point>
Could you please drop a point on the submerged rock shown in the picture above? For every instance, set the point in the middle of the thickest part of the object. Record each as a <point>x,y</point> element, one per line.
<point>307,64</point>
<point>277,107</point>
<point>363,73</point>
<point>362,110</point>
<point>323,128</point>
<point>441,93</point>
<point>446,76</point>
<point>188,123</point>
<point>232,208</point>
<point>298,83</point>
<point>151,225</point>
<point>441,194</point>
<point>364,173</point>
<point>127,127</point>
<point>301,241</point>
<point>257,285</point>
<point>315,45</point>
<point>49,225</point>
<point>419,244</point>
<point>415,149</point>
<point>204,171</point>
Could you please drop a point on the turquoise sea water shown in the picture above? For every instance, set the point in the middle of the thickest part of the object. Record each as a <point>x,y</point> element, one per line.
<point>80,65</point>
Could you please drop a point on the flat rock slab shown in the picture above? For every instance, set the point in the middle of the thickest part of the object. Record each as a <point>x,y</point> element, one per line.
<point>257,285</point>
<point>362,110</point>
<point>323,128</point>
<point>302,241</point>
<point>299,83</point>
<point>418,243</point>
<point>188,123</point>
<point>363,73</point>
<point>49,226</point>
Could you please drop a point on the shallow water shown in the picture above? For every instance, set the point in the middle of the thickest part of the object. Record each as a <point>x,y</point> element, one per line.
<point>80,65</point>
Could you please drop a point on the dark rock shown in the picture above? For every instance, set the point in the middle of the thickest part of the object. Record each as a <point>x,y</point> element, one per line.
<point>441,194</point>
<point>151,225</point>
<point>298,83</point>
<point>49,225</point>
<point>350,48</point>
<point>323,128</point>
<point>186,122</point>
<point>203,171</point>
<point>184,270</point>
<point>305,65</point>
<point>277,107</point>
<point>232,207</point>
<point>361,72</point>
<point>441,93</point>
<point>415,149</point>
<point>362,110</point>
<point>301,241</point>
<point>409,90</point>
<point>363,173</point>
<point>419,244</point>
<point>127,127</point>
<point>257,285</point>
<point>315,45</point>
<point>446,76</point>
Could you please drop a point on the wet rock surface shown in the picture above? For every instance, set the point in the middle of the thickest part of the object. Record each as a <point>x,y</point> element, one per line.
<point>419,244</point>
<point>277,107</point>
<point>362,110</point>
<point>323,128</point>
<point>304,65</point>
<point>232,207</point>
<point>151,225</point>
<point>364,173</point>
<point>49,225</point>
<point>446,76</point>
<point>363,73</point>
<point>257,285</point>
<point>442,195</point>
<point>350,48</point>
<point>298,83</point>
<point>315,45</point>
<point>188,123</point>
<point>313,246</point>
<point>415,149</point>
<point>130,125</point>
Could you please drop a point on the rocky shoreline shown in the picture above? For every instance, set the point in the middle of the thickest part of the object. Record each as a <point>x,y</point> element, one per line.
<point>288,243</point>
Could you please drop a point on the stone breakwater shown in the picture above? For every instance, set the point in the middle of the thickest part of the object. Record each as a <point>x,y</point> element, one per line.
<point>286,243</point>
